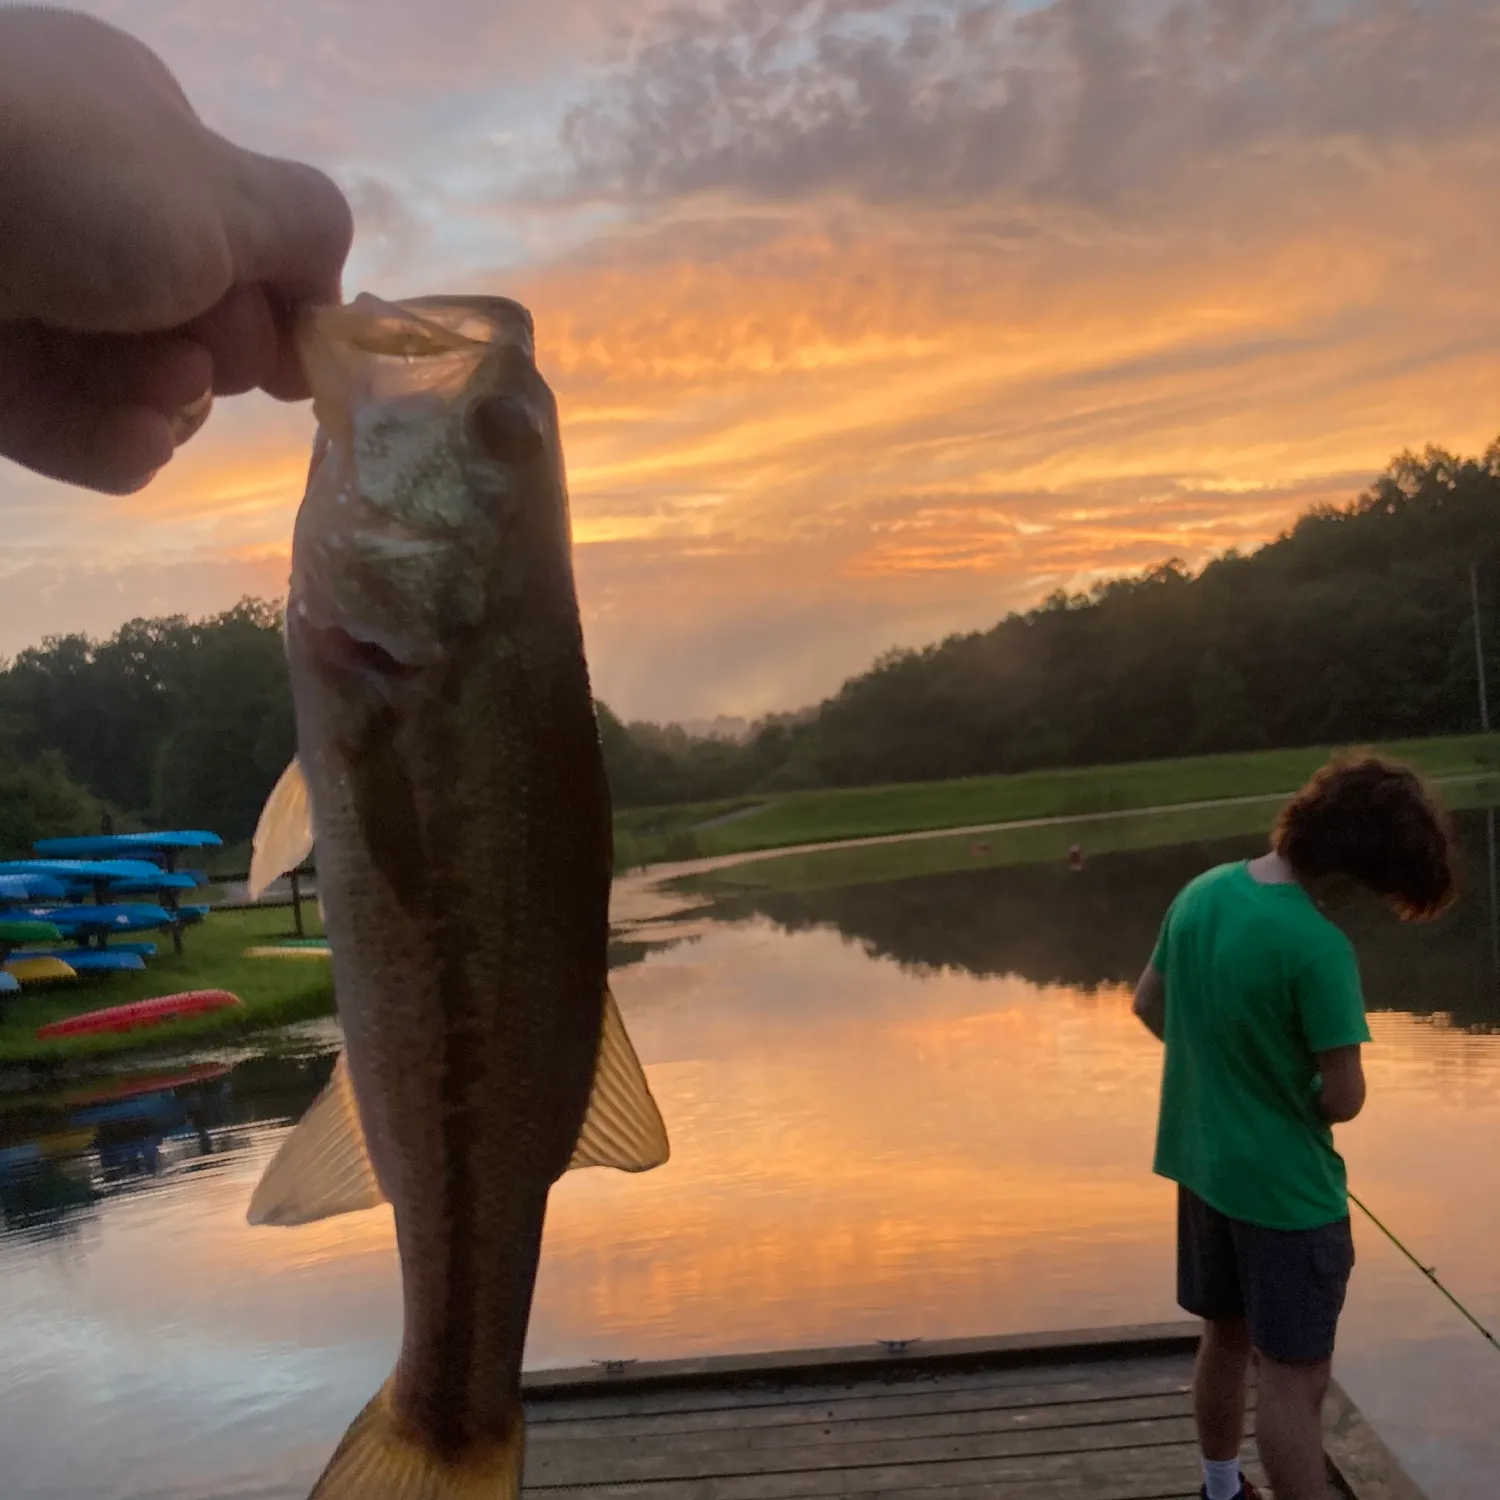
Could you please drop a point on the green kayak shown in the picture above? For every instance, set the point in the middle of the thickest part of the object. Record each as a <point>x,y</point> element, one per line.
<point>28,931</point>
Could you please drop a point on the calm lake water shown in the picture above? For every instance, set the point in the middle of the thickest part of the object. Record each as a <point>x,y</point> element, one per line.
<point>918,1109</point>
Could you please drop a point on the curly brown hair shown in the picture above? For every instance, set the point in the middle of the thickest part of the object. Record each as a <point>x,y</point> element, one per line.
<point>1372,820</point>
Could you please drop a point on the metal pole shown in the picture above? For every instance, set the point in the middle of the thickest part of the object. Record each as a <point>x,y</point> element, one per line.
<point>1484,724</point>
<point>297,901</point>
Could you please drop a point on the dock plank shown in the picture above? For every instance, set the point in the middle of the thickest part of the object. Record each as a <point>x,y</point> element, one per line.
<point>1123,1473</point>
<point>614,1460</point>
<point>615,1396</point>
<point>840,1434</point>
<point>854,1407</point>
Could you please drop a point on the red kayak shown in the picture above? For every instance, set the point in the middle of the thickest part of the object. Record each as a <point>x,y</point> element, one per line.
<point>141,1013</point>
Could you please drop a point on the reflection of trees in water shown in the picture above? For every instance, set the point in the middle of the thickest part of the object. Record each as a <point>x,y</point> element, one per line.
<point>1096,926</point>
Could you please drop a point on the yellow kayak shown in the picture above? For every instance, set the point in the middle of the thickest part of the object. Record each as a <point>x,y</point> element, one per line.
<point>29,970</point>
<point>268,952</point>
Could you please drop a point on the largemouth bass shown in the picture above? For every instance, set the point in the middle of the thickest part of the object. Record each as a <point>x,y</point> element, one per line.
<point>450,770</point>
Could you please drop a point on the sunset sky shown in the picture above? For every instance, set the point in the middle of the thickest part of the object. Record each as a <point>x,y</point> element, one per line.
<point>869,320</point>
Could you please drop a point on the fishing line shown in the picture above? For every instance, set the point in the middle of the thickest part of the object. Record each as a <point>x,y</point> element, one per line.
<point>1430,1273</point>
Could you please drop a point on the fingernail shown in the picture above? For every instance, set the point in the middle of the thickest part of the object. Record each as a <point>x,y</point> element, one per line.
<point>192,416</point>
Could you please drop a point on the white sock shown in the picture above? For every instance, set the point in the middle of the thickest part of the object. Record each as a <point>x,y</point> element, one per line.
<point>1221,1480</point>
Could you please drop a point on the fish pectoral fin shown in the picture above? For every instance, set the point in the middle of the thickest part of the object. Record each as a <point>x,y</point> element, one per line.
<point>380,1458</point>
<point>623,1127</point>
<point>284,834</point>
<point>322,1168</point>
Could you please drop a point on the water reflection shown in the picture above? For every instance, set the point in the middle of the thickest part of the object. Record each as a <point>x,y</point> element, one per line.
<point>1095,927</point>
<point>65,1151</point>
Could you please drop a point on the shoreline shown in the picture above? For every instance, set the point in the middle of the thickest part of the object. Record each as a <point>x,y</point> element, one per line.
<point>277,995</point>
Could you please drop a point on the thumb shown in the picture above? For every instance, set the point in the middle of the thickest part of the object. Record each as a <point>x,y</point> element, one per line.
<point>288,227</point>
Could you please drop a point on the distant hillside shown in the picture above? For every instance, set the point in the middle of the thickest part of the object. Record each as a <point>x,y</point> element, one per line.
<point>1355,625</point>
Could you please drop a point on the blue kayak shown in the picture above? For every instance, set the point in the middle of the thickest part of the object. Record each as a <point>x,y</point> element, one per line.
<point>30,888</point>
<point>185,880</point>
<point>95,960</point>
<point>9,984</point>
<point>141,950</point>
<point>127,917</point>
<point>105,846</point>
<point>83,869</point>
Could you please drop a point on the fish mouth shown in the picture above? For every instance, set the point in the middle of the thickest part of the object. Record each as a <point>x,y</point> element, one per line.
<point>337,648</point>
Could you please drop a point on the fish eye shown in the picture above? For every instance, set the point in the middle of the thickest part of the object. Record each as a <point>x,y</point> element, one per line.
<point>506,429</point>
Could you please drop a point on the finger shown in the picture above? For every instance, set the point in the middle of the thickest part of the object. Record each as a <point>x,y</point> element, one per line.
<point>242,340</point>
<point>286,380</point>
<point>128,446</point>
<point>167,374</point>
<point>100,412</point>
<point>171,376</point>
<point>116,450</point>
<point>289,227</point>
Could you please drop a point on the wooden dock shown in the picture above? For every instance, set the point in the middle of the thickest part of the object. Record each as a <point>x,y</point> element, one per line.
<point>1095,1415</point>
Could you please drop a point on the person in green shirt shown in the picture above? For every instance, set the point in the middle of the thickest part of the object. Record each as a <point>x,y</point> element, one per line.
<point>1257,997</point>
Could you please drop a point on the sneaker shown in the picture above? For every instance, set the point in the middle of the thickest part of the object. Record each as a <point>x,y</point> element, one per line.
<point>1247,1491</point>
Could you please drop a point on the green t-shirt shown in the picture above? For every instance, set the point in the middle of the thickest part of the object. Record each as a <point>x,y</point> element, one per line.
<point>1257,981</point>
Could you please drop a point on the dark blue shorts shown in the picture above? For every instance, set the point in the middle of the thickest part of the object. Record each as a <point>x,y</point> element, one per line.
<point>1288,1285</point>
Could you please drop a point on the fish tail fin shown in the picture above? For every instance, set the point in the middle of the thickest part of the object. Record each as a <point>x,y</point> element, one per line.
<point>379,1459</point>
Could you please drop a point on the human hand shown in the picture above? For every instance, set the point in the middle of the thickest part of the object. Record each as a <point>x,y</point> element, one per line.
<point>146,263</point>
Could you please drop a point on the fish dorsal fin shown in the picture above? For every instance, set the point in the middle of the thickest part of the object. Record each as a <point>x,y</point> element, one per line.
<point>322,1168</point>
<point>623,1127</point>
<point>284,835</point>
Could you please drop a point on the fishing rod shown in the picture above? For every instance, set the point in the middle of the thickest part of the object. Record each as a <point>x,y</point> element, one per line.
<point>1430,1273</point>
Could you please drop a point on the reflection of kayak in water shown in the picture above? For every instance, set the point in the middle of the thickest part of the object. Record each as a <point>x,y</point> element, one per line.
<point>160,1110</point>
<point>65,1142</point>
<point>143,1083</point>
<point>140,1013</point>
<point>53,1146</point>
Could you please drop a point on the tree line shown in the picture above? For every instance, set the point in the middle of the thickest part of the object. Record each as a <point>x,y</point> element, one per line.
<point>169,722</point>
<point>1353,625</point>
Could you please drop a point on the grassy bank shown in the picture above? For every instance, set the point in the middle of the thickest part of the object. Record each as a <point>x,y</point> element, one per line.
<point>654,835</point>
<point>275,991</point>
<point>866,864</point>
